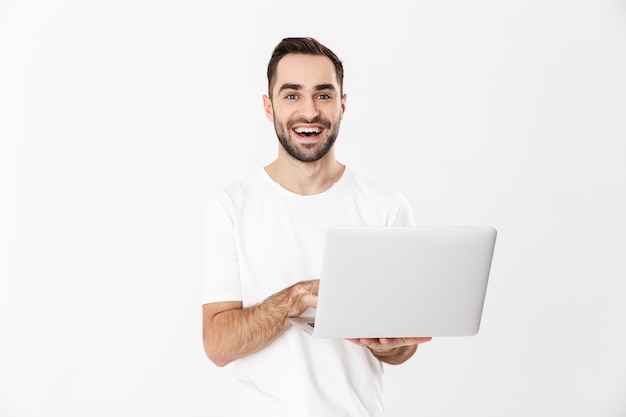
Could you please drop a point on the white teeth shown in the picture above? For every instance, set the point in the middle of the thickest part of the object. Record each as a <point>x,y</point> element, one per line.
<point>307,130</point>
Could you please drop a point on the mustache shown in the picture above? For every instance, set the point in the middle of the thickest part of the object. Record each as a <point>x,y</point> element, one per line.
<point>316,120</point>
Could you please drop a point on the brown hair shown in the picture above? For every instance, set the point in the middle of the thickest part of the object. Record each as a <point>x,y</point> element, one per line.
<point>306,46</point>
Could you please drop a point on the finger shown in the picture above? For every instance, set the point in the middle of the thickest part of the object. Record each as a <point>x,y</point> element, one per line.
<point>362,341</point>
<point>310,300</point>
<point>407,341</point>
<point>359,342</point>
<point>418,340</point>
<point>315,286</point>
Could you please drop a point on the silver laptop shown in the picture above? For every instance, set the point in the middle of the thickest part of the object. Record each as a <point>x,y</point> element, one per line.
<point>379,281</point>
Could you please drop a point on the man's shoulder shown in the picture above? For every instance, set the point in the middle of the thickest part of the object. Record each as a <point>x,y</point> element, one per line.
<point>365,184</point>
<point>389,204</point>
<point>246,184</point>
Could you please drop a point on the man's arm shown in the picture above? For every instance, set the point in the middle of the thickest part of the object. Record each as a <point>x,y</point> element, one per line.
<point>392,351</point>
<point>231,332</point>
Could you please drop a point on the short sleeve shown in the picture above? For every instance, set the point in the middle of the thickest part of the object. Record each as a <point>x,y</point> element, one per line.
<point>220,279</point>
<point>404,215</point>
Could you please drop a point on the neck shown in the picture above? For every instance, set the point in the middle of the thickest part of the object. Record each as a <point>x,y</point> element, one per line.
<point>306,178</point>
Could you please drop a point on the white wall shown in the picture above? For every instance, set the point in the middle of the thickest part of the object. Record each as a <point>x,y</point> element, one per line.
<point>118,118</point>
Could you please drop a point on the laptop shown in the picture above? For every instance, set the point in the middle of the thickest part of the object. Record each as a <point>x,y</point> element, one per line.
<point>388,281</point>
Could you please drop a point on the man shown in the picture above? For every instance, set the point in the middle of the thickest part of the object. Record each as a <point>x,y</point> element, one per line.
<point>263,254</point>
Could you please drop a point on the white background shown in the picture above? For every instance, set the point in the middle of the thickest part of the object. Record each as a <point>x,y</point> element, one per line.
<point>118,118</point>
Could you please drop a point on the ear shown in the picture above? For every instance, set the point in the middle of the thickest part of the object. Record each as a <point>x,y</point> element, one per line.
<point>269,109</point>
<point>343,105</point>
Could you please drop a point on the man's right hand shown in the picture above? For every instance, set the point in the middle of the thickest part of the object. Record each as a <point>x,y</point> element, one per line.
<point>303,295</point>
<point>231,332</point>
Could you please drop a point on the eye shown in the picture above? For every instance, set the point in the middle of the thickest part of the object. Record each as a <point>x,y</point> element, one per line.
<point>324,96</point>
<point>291,96</point>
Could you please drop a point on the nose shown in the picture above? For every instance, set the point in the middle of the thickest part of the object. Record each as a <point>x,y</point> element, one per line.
<point>309,108</point>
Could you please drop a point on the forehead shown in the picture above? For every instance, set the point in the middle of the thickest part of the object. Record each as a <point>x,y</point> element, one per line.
<point>305,70</point>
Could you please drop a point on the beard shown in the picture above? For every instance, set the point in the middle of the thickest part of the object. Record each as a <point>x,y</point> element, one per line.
<point>308,152</point>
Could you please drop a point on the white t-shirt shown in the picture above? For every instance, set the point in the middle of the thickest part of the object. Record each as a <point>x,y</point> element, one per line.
<point>261,238</point>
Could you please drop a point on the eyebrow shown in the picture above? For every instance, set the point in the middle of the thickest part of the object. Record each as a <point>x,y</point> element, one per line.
<point>320,87</point>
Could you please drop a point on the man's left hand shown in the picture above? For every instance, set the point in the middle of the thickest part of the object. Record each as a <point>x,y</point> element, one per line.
<point>385,344</point>
<point>392,350</point>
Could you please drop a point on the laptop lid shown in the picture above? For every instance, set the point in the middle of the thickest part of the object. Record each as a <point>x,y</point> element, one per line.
<point>380,281</point>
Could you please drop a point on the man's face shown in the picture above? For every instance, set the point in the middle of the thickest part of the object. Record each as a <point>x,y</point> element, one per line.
<point>306,106</point>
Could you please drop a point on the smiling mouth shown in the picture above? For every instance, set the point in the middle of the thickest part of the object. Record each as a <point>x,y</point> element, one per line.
<point>307,131</point>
